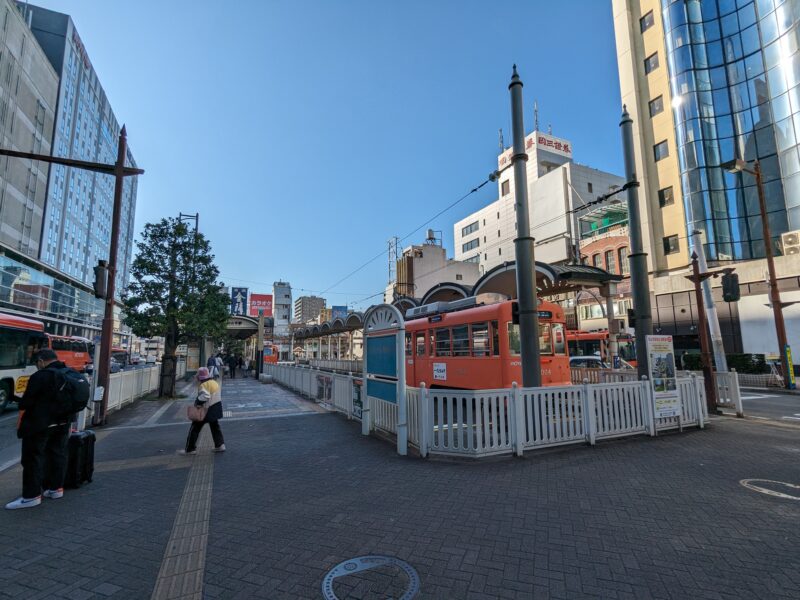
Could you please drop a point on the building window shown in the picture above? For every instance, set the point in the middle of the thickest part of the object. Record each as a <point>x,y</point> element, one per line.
<point>651,63</point>
<point>498,233</point>
<point>611,267</point>
<point>589,185</point>
<point>596,262</point>
<point>470,245</point>
<point>473,259</point>
<point>666,197</point>
<point>484,221</point>
<point>459,277</point>
<point>623,260</point>
<point>498,215</point>
<point>499,251</point>
<point>484,239</point>
<point>485,256</point>
<point>661,150</point>
<point>656,106</point>
<point>504,188</point>
<point>647,21</point>
<point>469,229</point>
<point>671,245</point>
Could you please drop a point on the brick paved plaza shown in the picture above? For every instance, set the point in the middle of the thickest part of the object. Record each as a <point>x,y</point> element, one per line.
<point>300,491</point>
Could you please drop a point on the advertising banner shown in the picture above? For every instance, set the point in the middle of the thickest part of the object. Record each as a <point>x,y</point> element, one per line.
<point>661,354</point>
<point>338,312</point>
<point>239,301</point>
<point>260,302</point>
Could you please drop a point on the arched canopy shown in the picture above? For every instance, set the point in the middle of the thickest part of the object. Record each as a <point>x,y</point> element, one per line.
<point>242,327</point>
<point>403,303</point>
<point>445,292</point>
<point>550,279</point>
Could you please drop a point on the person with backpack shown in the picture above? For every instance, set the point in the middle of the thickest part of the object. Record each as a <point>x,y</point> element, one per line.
<point>54,394</point>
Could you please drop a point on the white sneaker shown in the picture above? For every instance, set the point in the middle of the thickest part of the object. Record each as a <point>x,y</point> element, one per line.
<point>54,494</point>
<point>220,448</point>
<point>24,503</point>
<point>184,452</point>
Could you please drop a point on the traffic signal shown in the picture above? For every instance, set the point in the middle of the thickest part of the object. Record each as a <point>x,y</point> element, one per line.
<point>730,287</point>
<point>100,279</point>
<point>631,318</point>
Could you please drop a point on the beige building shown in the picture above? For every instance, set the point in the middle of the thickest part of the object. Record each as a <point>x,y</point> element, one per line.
<point>707,82</point>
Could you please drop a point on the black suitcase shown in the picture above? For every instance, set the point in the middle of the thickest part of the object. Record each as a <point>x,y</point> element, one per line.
<point>80,461</point>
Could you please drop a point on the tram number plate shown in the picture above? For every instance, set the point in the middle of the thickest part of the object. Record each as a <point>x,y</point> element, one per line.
<point>440,371</point>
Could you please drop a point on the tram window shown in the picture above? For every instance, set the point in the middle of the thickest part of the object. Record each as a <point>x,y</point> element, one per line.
<point>442,342</point>
<point>513,339</point>
<point>461,341</point>
<point>495,339</point>
<point>408,344</point>
<point>559,338</point>
<point>480,339</point>
<point>545,339</point>
<point>420,343</point>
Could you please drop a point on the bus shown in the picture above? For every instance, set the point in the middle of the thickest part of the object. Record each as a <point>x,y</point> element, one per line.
<point>471,346</point>
<point>73,351</point>
<point>20,339</point>
<point>595,343</point>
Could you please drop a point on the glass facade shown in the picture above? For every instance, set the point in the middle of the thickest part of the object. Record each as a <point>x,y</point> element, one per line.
<point>734,70</point>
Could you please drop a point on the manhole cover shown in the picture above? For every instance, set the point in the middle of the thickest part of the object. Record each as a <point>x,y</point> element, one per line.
<point>779,489</point>
<point>374,577</point>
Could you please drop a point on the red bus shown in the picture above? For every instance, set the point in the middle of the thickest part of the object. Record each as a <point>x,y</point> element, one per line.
<point>595,343</point>
<point>20,338</point>
<point>75,352</point>
<point>464,345</point>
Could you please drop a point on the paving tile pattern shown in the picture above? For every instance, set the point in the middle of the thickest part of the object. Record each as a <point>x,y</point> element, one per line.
<point>294,496</point>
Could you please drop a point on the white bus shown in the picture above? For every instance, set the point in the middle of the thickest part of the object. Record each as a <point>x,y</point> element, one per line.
<point>20,338</point>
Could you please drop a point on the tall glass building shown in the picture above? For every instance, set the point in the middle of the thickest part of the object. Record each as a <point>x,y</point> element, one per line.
<point>77,219</point>
<point>734,71</point>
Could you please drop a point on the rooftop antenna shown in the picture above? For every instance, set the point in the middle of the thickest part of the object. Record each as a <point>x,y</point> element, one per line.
<point>535,116</point>
<point>502,144</point>
<point>550,128</point>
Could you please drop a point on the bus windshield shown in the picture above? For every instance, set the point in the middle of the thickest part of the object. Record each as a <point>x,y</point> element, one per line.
<point>17,347</point>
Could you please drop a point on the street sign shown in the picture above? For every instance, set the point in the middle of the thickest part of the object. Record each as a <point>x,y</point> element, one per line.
<point>239,301</point>
<point>260,302</point>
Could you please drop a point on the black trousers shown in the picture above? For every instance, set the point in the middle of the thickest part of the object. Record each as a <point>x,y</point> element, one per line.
<point>44,460</point>
<point>194,433</point>
<point>233,372</point>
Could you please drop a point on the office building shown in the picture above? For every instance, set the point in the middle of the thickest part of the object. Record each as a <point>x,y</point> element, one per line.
<point>282,316</point>
<point>77,220</point>
<point>307,308</point>
<point>705,83</point>
<point>558,192</point>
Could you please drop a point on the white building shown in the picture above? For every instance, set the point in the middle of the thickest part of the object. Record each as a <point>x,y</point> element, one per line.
<point>421,267</point>
<point>282,315</point>
<point>558,189</point>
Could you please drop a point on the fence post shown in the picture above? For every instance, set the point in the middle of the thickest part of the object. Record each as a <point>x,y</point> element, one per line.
<point>700,404</point>
<point>650,399</point>
<point>589,409</point>
<point>737,393</point>
<point>366,413</point>
<point>350,390</point>
<point>424,420</point>
<point>519,419</point>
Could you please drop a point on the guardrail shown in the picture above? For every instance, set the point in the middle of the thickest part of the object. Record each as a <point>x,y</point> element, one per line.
<point>479,423</point>
<point>127,386</point>
<point>346,366</point>
<point>580,374</point>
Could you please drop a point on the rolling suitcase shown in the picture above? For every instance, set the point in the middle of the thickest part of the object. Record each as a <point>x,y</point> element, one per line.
<point>80,460</point>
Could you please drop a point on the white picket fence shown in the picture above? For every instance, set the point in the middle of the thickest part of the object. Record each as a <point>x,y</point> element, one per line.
<point>127,386</point>
<point>504,421</point>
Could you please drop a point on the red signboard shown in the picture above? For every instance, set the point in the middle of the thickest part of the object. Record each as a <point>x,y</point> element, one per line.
<point>260,302</point>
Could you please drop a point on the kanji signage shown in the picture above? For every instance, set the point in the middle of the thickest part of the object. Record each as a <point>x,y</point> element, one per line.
<point>540,141</point>
<point>260,302</point>
<point>239,301</point>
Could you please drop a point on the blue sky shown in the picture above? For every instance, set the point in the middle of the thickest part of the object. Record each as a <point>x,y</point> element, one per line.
<point>307,133</point>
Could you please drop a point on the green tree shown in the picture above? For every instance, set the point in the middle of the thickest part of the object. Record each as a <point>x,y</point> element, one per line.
<point>174,291</point>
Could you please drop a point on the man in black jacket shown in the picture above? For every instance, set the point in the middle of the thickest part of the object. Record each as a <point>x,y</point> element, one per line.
<point>44,436</point>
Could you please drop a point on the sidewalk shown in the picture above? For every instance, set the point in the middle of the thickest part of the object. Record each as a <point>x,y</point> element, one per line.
<point>299,491</point>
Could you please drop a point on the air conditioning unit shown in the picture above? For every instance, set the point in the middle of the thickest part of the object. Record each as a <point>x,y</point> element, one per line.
<point>790,242</point>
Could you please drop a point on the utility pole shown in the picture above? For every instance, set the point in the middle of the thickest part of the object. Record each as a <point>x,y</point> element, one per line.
<point>201,355</point>
<point>717,344</point>
<point>640,284</point>
<point>523,247</point>
<point>260,344</point>
<point>697,278</point>
<point>739,166</point>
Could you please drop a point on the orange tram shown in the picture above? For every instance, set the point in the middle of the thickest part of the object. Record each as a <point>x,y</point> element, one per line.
<point>470,346</point>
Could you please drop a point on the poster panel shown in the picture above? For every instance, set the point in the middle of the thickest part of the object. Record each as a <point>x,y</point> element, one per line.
<point>661,354</point>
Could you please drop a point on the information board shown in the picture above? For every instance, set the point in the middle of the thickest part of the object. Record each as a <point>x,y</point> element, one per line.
<point>661,354</point>
<point>381,355</point>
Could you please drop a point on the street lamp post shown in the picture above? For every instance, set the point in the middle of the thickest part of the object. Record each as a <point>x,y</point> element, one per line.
<point>119,171</point>
<point>740,166</point>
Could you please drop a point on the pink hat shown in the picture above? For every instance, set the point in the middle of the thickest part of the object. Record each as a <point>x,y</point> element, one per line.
<point>202,373</point>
